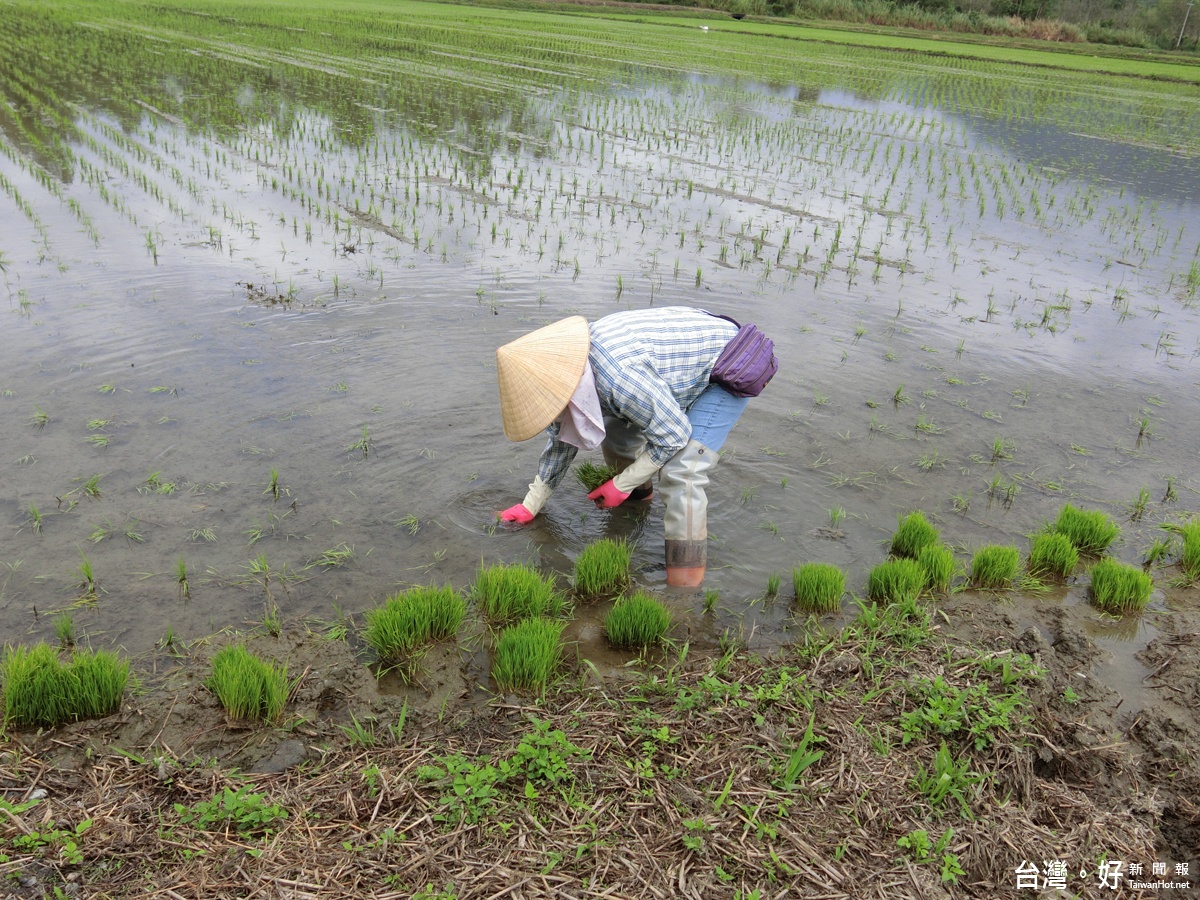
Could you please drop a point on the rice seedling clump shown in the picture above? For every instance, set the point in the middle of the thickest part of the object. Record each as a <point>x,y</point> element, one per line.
<point>938,562</point>
<point>1190,557</point>
<point>895,579</point>
<point>1120,588</point>
<point>507,594</point>
<point>249,687</point>
<point>819,587</point>
<point>527,655</point>
<point>995,566</point>
<point>602,568</point>
<point>1090,530</point>
<point>1052,553</point>
<point>637,621</point>
<point>913,533</point>
<point>40,690</point>
<point>412,618</point>
<point>591,476</point>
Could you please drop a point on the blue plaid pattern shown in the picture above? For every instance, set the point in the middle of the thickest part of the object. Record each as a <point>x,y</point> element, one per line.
<point>650,365</point>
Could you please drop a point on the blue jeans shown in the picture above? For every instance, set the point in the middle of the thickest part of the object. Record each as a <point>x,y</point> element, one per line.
<point>714,414</point>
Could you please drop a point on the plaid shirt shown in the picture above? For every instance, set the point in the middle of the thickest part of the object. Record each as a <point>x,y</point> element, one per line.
<point>650,365</point>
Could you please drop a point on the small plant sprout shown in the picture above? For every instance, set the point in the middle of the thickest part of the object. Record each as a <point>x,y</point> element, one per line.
<point>1091,531</point>
<point>527,655</point>
<point>247,686</point>
<point>273,484</point>
<point>91,487</point>
<point>362,445</point>
<point>181,579</point>
<point>35,518</point>
<point>773,582</point>
<point>602,568</point>
<point>1145,431</point>
<point>912,533</point>
<point>506,594</point>
<point>636,621</point>
<point>837,515</point>
<point>1137,508</point>
<point>1051,553</point>
<point>335,557</point>
<point>994,566</point>
<point>64,629</point>
<point>411,619</point>
<point>1002,448</point>
<point>819,587</point>
<point>895,580</point>
<point>711,596</point>
<point>1119,588</point>
<point>937,560</point>
<point>88,577</point>
<point>39,418</point>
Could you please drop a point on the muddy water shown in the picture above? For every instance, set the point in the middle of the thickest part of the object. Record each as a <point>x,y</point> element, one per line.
<point>197,303</point>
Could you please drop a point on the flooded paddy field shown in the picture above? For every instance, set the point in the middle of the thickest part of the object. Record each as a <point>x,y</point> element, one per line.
<point>257,263</point>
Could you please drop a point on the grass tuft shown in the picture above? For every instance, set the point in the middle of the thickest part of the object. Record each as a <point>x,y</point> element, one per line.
<point>249,687</point>
<point>507,594</point>
<point>602,568</point>
<point>40,690</point>
<point>913,533</point>
<point>412,618</point>
<point>1052,553</point>
<point>995,566</point>
<point>938,562</point>
<point>1120,588</point>
<point>895,579</point>
<point>527,655</point>
<point>591,476</point>
<point>637,621</point>
<point>1091,531</point>
<point>819,587</point>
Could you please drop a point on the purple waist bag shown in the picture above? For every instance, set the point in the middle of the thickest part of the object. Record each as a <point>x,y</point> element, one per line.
<point>747,363</point>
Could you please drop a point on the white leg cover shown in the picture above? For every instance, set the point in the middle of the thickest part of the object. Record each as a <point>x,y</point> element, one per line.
<point>685,519</point>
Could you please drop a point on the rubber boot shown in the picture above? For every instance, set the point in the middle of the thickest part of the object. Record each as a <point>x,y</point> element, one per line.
<point>622,445</point>
<point>685,519</point>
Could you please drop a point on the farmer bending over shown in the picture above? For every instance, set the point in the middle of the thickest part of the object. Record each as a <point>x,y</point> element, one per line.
<point>643,386</point>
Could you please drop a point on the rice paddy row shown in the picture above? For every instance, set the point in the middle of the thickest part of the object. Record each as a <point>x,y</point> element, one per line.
<point>527,611</point>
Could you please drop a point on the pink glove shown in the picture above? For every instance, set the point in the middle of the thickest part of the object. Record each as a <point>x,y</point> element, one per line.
<point>608,495</point>
<point>518,515</point>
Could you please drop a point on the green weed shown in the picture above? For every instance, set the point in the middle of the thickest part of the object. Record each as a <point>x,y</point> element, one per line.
<point>246,812</point>
<point>947,780</point>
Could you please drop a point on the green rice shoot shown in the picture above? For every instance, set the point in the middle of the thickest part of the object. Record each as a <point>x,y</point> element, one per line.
<point>411,619</point>
<point>1189,558</point>
<point>591,476</point>
<point>819,587</point>
<point>895,579</point>
<point>1120,588</point>
<point>508,593</point>
<point>938,562</point>
<point>913,533</point>
<point>639,620</point>
<point>42,691</point>
<point>1051,553</point>
<point>527,655</point>
<point>249,688</point>
<point>602,568</point>
<point>1090,530</point>
<point>994,566</point>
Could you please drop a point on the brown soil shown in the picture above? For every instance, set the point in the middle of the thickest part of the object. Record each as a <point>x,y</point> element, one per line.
<point>673,786</point>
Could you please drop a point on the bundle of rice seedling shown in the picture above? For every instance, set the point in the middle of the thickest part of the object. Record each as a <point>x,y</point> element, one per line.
<point>819,587</point>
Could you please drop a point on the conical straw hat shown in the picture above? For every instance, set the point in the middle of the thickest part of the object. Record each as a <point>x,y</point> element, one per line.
<point>538,373</point>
